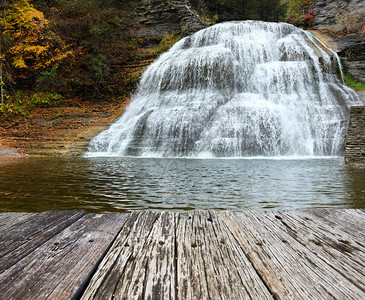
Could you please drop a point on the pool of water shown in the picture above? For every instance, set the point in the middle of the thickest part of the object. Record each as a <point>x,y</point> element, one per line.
<point>128,184</point>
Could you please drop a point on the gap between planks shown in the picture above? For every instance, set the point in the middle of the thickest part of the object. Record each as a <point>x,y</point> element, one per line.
<point>228,255</point>
<point>312,254</point>
<point>59,258</point>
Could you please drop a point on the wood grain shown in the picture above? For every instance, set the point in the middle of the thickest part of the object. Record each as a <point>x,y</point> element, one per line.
<point>310,254</point>
<point>140,263</point>
<point>25,236</point>
<point>9,219</point>
<point>350,221</point>
<point>62,266</point>
<point>211,264</point>
<point>289,269</point>
<point>342,251</point>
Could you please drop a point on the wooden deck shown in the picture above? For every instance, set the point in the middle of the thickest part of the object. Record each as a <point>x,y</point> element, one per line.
<point>312,254</point>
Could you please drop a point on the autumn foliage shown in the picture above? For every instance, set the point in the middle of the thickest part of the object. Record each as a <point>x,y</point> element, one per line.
<point>95,50</point>
<point>300,12</point>
<point>84,49</point>
<point>33,46</point>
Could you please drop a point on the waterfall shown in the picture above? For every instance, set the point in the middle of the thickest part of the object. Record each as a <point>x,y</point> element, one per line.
<point>236,89</point>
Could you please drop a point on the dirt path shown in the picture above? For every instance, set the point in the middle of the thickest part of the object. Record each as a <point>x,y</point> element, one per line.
<point>57,131</point>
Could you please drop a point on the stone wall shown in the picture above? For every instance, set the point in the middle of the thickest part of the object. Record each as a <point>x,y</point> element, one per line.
<point>355,140</point>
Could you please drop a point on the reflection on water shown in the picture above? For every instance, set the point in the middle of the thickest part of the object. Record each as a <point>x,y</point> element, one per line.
<point>127,184</point>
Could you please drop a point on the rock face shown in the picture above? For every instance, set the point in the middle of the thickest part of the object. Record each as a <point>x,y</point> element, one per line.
<point>155,18</point>
<point>355,140</point>
<point>339,15</point>
<point>160,17</point>
<point>328,14</point>
<point>351,49</point>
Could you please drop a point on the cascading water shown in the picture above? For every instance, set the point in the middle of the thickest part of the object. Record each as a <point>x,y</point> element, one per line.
<point>232,90</point>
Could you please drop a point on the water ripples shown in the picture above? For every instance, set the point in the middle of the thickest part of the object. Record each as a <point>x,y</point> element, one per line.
<point>127,184</point>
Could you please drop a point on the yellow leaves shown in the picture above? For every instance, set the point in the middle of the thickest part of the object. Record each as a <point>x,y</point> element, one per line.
<point>25,25</point>
<point>26,48</point>
<point>22,17</point>
<point>19,62</point>
<point>36,50</point>
<point>32,53</point>
<point>37,16</point>
<point>55,60</point>
<point>35,46</point>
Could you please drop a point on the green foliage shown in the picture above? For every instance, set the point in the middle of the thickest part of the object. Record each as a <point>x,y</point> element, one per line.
<point>353,83</point>
<point>21,104</point>
<point>44,99</point>
<point>167,41</point>
<point>300,12</point>
<point>101,34</point>
<point>47,81</point>
<point>99,64</point>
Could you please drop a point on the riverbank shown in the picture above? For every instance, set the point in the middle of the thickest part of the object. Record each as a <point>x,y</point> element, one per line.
<point>60,131</point>
<point>63,130</point>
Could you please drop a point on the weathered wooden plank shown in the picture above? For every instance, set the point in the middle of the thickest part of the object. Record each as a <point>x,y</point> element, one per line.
<point>211,264</point>
<point>23,237</point>
<point>289,269</point>
<point>314,254</point>
<point>61,267</point>
<point>191,277</point>
<point>336,248</point>
<point>140,263</point>
<point>11,218</point>
<point>334,231</point>
<point>350,221</point>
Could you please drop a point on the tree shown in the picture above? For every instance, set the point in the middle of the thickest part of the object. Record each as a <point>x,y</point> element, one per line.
<point>1,71</point>
<point>2,57</point>
<point>34,47</point>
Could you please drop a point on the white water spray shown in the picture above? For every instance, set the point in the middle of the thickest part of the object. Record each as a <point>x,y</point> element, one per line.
<point>236,89</point>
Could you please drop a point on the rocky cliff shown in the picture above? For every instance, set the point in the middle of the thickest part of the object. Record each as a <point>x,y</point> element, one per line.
<point>351,49</point>
<point>159,17</point>
<point>345,20</point>
<point>334,14</point>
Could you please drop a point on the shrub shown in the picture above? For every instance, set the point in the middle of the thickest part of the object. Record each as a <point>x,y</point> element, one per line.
<point>21,103</point>
<point>44,99</point>
<point>47,81</point>
<point>300,12</point>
